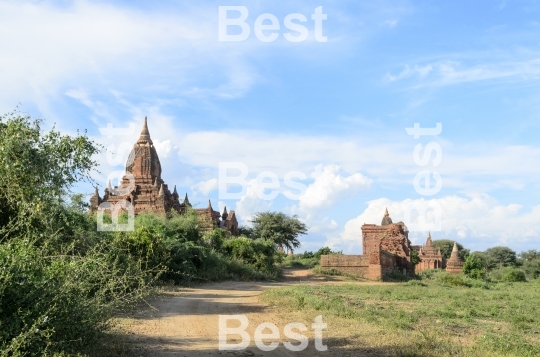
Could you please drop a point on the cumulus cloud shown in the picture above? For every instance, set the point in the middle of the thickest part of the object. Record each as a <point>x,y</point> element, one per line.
<point>162,147</point>
<point>476,221</point>
<point>251,202</point>
<point>477,167</point>
<point>329,187</point>
<point>205,187</point>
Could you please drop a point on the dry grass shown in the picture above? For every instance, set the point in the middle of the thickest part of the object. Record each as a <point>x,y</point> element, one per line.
<point>431,318</point>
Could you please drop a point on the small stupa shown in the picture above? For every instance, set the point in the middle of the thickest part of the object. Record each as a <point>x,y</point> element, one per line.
<point>454,265</point>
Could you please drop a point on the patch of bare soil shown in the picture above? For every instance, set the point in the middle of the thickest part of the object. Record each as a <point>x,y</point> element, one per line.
<point>184,321</point>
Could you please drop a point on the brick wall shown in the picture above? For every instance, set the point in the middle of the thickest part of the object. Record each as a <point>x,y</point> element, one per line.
<point>349,264</point>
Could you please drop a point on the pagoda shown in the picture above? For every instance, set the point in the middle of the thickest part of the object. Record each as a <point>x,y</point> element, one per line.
<point>143,186</point>
<point>454,265</point>
<point>430,257</point>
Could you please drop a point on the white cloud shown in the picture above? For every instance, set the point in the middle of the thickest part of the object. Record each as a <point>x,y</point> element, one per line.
<point>162,147</point>
<point>47,48</point>
<point>205,187</point>
<point>448,72</point>
<point>478,222</point>
<point>390,23</point>
<point>410,71</point>
<point>329,187</point>
<point>251,203</point>
<point>477,167</point>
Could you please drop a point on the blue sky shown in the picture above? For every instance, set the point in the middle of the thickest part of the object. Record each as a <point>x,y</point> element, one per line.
<point>335,111</point>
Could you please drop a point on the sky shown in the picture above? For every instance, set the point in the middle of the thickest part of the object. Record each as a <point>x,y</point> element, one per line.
<point>325,117</point>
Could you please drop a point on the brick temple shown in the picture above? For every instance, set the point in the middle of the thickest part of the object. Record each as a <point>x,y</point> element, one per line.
<point>386,248</point>
<point>144,188</point>
<point>431,257</point>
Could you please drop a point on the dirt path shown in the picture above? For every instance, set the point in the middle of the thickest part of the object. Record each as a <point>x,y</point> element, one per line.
<point>184,321</point>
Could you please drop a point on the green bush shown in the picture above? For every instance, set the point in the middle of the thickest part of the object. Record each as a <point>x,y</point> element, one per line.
<point>258,253</point>
<point>429,274</point>
<point>331,271</point>
<point>396,275</point>
<point>532,268</point>
<point>215,238</point>
<point>60,302</point>
<point>513,275</point>
<point>508,274</point>
<point>474,267</point>
<point>299,261</point>
<point>452,279</point>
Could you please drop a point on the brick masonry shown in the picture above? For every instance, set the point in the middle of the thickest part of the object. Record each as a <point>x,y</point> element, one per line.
<point>386,248</point>
<point>151,193</point>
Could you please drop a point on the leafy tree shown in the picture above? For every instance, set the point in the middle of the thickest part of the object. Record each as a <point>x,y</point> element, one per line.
<point>325,251</point>
<point>486,260</point>
<point>474,267</point>
<point>259,253</point>
<point>530,255</point>
<point>215,238</point>
<point>415,258</point>
<point>307,255</point>
<point>446,246</point>
<point>501,256</point>
<point>246,231</point>
<point>532,268</point>
<point>279,228</point>
<point>38,169</point>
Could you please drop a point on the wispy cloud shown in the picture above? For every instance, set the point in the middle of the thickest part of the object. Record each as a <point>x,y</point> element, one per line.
<point>444,73</point>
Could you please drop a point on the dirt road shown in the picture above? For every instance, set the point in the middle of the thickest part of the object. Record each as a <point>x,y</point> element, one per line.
<point>184,321</point>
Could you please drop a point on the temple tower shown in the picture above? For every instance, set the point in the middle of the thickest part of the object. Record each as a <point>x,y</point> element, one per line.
<point>454,264</point>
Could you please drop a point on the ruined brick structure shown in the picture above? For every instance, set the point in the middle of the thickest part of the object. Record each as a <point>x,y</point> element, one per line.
<point>430,257</point>
<point>386,248</point>
<point>144,188</point>
<point>454,265</point>
<point>229,222</point>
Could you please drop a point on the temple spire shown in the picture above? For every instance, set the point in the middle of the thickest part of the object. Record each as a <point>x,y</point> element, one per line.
<point>186,200</point>
<point>145,134</point>
<point>455,249</point>
<point>161,193</point>
<point>225,214</point>
<point>209,206</point>
<point>386,219</point>
<point>429,242</point>
<point>96,193</point>
<point>109,187</point>
<point>174,191</point>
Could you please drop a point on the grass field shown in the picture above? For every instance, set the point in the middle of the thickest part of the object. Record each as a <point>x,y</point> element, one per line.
<point>441,316</point>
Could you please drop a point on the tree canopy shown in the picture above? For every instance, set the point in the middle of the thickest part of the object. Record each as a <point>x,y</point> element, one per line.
<point>446,246</point>
<point>501,256</point>
<point>38,170</point>
<point>279,228</point>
